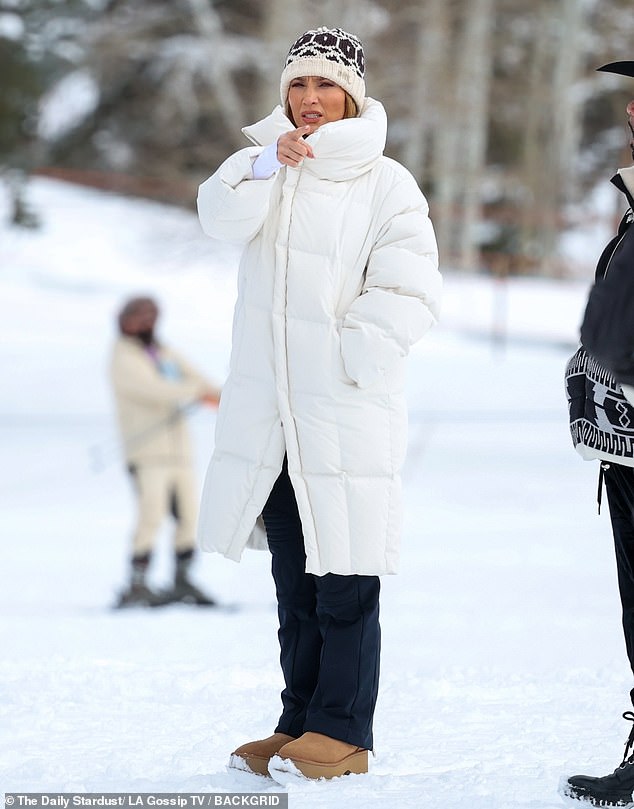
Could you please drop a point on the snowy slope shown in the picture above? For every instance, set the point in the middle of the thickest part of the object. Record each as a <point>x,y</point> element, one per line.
<point>503,665</point>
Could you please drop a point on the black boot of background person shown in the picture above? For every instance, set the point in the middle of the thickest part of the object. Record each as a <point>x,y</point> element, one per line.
<point>615,789</point>
<point>138,594</point>
<point>184,590</point>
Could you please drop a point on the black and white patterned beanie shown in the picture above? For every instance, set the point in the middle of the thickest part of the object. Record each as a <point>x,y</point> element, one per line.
<point>330,53</point>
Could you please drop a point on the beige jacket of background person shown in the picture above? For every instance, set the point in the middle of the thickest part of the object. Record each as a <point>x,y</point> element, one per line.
<point>148,402</point>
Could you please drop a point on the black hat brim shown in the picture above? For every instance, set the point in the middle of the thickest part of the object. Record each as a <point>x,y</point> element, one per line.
<point>622,68</point>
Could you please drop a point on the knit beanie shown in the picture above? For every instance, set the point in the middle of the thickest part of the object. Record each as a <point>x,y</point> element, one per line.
<point>330,53</point>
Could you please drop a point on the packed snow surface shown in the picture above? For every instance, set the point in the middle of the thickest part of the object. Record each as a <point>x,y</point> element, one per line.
<point>503,665</point>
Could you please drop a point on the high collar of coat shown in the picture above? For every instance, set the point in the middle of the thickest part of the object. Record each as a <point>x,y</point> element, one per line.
<point>624,180</point>
<point>343,149</point>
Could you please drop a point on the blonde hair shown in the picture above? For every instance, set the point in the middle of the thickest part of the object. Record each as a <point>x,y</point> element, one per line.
<point>350,109</point>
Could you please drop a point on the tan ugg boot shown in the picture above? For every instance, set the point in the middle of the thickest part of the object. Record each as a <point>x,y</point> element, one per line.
<point>254,756</point>
<point>317,756</point>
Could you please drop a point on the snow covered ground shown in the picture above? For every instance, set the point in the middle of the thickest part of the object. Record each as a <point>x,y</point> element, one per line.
<point>503,664</point>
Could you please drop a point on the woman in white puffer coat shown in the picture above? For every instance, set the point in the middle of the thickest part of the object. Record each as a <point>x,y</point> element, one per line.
<point>337,280</point>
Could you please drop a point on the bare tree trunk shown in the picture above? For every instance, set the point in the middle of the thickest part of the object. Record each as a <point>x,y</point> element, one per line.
<point>534,162</point>
<point>553,128</point>
<point>567,109</point>
<point>460,136</point>
<point>209,26</point>
<point>346,14</point>
<point>446,137</point>
<point>432,22</point>
<point>475,65</point>
<point>284,23</point>
<point>562,183</point>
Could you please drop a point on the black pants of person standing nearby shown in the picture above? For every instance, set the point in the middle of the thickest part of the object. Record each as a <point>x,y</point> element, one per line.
<point>329,634</point>
<point>619,484</point>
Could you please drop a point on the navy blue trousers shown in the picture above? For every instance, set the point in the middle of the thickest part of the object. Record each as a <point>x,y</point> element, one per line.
<point>619,485</point>
<point>329,634</point>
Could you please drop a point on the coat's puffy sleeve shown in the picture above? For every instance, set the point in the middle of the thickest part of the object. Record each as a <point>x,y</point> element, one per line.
<point>401,295</point>
<point>231,205</point>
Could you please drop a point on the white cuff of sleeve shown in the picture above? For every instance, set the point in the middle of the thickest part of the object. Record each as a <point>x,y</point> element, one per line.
<point>266,163</point>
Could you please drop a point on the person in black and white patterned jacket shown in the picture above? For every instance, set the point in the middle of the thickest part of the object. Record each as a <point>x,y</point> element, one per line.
<point>600,390</point>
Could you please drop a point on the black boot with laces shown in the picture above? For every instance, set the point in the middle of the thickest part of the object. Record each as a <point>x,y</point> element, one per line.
<point>610,790</point>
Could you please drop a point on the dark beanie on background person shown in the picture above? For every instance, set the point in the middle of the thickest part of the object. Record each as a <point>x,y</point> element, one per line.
<point>332,54</point>
<point>132,306</point>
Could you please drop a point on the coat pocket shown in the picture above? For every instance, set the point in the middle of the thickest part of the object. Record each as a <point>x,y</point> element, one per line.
<point>370,359</point>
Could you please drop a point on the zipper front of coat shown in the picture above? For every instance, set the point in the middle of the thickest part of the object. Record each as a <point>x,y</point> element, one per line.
<point>283,369</point>
<point>280,303</point>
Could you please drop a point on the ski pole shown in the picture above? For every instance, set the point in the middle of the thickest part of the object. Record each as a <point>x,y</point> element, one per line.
<point>112,450</point>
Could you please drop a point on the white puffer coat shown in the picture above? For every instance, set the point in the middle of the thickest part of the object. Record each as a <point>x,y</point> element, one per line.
<point>337,280</point>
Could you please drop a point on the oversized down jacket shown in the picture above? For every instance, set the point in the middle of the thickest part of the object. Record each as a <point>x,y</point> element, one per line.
<point>337,279</point>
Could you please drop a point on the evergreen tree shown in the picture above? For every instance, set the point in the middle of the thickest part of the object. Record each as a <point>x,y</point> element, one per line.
<point>37,44</point>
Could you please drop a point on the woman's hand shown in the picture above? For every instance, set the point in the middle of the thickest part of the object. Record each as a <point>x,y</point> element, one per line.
<point>291,148</point>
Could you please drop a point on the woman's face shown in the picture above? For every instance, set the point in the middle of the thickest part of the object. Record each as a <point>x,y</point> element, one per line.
<point>316,101</point>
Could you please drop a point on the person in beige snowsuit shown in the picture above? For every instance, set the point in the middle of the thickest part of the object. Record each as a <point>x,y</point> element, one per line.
<point>154,387</point>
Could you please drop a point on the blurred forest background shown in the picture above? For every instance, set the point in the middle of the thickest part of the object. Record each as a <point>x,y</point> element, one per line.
<point>494,105</point>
